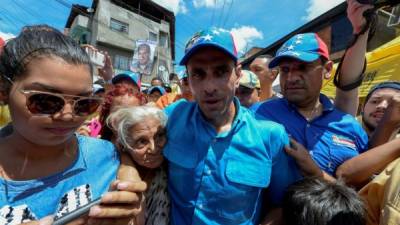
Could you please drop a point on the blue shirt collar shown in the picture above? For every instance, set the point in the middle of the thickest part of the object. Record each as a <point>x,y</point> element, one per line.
<point>236,121</point>
<point>325,101</point>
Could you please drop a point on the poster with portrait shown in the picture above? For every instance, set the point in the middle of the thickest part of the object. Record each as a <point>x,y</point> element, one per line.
<point>162,71</point>
<point>143,58</point>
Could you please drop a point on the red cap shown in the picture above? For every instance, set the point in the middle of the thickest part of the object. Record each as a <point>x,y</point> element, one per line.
<point>2,42</point>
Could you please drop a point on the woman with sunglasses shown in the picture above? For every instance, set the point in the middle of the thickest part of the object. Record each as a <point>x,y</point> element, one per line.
<point>45,168</point>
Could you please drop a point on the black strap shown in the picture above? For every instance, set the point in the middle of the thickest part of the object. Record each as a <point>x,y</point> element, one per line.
<point>371,20</point>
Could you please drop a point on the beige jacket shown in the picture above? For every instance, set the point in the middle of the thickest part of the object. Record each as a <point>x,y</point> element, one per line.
<point>382,196</point>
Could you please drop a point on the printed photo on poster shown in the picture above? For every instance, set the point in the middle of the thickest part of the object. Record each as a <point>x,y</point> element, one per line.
<point>162,71</point>
<point>143,57</point>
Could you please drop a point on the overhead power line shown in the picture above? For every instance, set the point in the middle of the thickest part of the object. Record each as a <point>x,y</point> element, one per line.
<point>228,14</point>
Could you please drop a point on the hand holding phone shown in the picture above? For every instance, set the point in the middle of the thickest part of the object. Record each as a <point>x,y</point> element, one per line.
<point>69,217</point>
<point>96,57</point>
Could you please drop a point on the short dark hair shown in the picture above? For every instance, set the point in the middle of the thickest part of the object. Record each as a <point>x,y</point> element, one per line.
<point>317,202</point>
<point>144,46</point>
<point>392,84</point>
<point>35,42</point>
<point>267,57</point>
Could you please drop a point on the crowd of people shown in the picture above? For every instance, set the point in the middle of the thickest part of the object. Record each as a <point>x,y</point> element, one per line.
<point>215,146</point>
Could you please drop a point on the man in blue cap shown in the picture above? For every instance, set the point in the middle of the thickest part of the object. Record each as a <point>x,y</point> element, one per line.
<point>382,104</point>
<point>221,159</point>
<point>330,135</point>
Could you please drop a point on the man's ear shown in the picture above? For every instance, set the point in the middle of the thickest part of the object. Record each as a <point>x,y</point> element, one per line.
<point>274,73</point>
<point>328,69</point>
<point>238,72</point>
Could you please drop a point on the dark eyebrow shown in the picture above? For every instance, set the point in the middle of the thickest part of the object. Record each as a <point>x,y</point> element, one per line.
<point>222,67</point>
<point>55,90</point>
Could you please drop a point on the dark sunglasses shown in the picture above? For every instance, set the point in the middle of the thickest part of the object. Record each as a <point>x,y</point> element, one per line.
<point>46,103</point>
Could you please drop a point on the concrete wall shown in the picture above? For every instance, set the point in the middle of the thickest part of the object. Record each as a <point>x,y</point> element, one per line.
<point>122,43</point>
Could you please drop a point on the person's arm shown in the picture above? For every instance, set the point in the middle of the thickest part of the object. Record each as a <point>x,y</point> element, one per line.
<point>389,125</point>
<point>354,60</point>
<point>273,217</point>
<point>284,172</point>
<point>107,71</point>
<point>304,161</point>
<point>123,203</point>
<point>358,170</point>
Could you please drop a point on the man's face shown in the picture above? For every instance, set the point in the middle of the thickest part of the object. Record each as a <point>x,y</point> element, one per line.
<point>259,66</point>
<point>213,78</point>
<point>154,96</point>
<point>184,86</point>
<point>301,82</point>
<point>375,107</point>
<point>144,56</point>
<point>156,82</point>
<point>247,96</point>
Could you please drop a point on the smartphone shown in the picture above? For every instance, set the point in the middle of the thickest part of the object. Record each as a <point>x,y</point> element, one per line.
<point>76,213</point>
<point>96,57</point>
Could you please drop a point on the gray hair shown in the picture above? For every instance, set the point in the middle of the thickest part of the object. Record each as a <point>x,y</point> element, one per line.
<point>124,118</point>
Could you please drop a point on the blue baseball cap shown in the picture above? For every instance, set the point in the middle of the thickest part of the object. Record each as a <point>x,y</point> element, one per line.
<point>156,88</point>
<point>386,84</point>
<point>213,37</point>
<point>127,75</point>
<point>306,47</point>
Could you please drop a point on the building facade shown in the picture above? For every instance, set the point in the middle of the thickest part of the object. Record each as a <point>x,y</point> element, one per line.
<point>116,26</point>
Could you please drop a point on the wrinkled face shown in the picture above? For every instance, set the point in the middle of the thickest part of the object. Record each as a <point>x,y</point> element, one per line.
<point>375,107</point>
<point>143,56</point>
<point>213,78</point>
<point>301,82</point>
<point>146,142</point>
<point>50,74</point>
<point>247,96</point>
<point>154,96</point>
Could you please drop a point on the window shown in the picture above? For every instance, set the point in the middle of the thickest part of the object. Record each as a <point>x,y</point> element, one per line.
<point>163,40</point>
<point>119,26</point>
<point>121,62</point>
<point>152,36</point>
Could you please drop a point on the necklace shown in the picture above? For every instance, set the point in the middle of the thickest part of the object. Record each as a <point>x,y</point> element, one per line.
<point>314,112</point>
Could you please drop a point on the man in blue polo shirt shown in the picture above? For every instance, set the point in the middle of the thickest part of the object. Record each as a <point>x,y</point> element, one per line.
<point>220,158</point>
<point>330,135</point>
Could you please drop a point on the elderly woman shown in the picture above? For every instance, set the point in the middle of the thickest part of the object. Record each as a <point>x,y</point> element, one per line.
<point>140,131</point>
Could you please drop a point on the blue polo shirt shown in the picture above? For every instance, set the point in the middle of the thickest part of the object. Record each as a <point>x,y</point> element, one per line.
<point>86,179</point>
<point>218,178</point>
<point>331,138</point>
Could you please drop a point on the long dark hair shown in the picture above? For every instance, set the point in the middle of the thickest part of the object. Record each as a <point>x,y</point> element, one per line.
<point>35,42</point>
